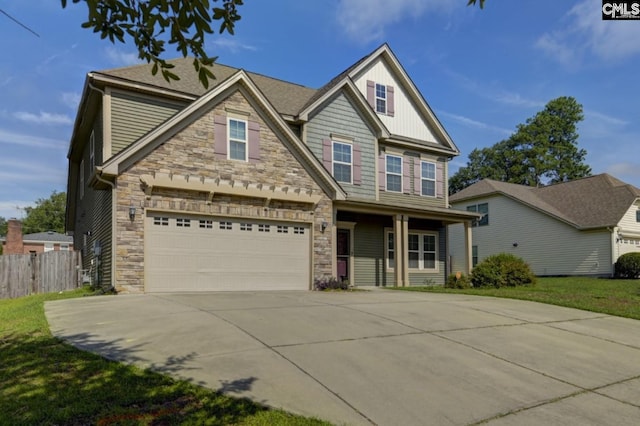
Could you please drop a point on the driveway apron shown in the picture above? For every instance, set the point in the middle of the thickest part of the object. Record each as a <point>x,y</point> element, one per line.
<point>376,357</point>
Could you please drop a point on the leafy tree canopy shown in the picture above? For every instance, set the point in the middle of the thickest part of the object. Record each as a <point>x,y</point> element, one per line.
<point>47,215</point>
<point>152,24</point>
<point>473,2</point>
<point>543,150</point>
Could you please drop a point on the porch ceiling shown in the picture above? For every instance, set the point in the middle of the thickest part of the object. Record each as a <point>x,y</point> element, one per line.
<point>448,216</point>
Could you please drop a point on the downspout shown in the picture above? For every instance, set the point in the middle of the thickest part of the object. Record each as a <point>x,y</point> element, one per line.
<point>614,247</point>
<point>114,210</point>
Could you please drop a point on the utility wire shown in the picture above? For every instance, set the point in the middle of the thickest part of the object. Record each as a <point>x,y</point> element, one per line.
<point>19,23</point>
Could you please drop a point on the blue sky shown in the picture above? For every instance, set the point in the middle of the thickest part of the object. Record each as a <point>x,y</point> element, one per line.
<point>482,72</point>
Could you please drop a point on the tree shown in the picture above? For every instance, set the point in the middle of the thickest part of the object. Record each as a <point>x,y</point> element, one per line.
<point>543,150</point>
<point>473,2</point>
<point>151,24</point>
<point>3,229</point>
<point>47,215</point>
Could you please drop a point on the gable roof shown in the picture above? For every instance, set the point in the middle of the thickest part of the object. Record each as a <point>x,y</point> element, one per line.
<point>49,236</point>
<point>593,202</point>
<point>238,81</point>
<point>287,98</point>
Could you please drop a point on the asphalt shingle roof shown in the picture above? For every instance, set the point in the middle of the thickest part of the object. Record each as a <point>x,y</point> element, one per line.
<point>287,98</point>
<point>592,202</point>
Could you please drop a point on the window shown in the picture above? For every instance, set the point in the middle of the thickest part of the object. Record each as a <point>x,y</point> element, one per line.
<point>48,247</point>
<point>81,179</point>
<point>421,248</point>
<point>342,161</point>
<point>428,179</point>
<point>394,173</point>
<point>298,230</point>
<point>264,228</point>
<point>474,256</point>
<point>482,209</point>
<point>283,229</point>
<point>161,221</point>
<point>183,223</point>
<point>206,224</point>
<point>246,227</point>
<point>237,139</point>
<point>638,215</point>
<point>92,151</point>
<point>381,98</point>
<point>64,247</point>
<point>226,225</point>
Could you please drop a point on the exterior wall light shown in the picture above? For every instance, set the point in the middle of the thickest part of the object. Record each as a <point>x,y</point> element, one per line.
<point>132,212</point>
<point>324,226</point>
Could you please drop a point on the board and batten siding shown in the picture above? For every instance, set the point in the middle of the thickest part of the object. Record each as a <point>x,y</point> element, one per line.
<point>133,116</point>
<point>407,120</point>
<point>549,246</point>
<point>340,117</point>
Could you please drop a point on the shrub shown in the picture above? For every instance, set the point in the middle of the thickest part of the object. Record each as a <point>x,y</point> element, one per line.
<point>458,280</point>
<point>628,266</point>
<point>502,270</point>
<point>330,283</point>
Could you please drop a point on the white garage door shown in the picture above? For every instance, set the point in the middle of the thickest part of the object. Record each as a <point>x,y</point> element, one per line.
<point>193,253</point>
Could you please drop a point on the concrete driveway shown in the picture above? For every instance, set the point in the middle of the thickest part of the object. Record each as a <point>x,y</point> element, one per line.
<point>377,357</point>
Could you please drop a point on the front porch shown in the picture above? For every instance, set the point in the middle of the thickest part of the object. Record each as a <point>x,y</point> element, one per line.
<point>383,246</point>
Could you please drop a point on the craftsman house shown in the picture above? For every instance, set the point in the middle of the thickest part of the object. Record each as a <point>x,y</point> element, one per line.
<point>258,183</point>
<point>579,227</point>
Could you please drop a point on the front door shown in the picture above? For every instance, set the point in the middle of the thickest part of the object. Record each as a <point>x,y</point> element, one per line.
<point>343,252</point>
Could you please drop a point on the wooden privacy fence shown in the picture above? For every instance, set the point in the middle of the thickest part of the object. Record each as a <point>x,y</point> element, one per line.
<point>53,271</point>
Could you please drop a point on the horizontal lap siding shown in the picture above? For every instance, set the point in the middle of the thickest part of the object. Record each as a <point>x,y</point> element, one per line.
<point>132,117</point>
<point>339,116</point>
<point>369,253</point>
<point>551,247</point>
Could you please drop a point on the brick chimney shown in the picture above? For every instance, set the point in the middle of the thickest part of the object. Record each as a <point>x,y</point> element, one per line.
<point>14,244</point>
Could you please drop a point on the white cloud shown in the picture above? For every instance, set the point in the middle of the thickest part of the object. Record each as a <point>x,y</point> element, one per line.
<point>587,33</point>
<point>11,138</point>
<point>624,169</point>
<point>607,119</point>
<point>231,44</point>
<point>120,58</point>
<point>475,124</point>
<point>43,118</point>
<point>71,99</point>
<point>366,20</point>
<point>13,209</point>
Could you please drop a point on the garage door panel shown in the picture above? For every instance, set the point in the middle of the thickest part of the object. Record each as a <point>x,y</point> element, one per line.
<point>225,254</point>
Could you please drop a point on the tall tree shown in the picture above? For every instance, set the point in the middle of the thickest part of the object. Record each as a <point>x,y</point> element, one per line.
<point>152,24</point>
<point>3,229</point>
<point>47,215</point>
<point>543,150</point>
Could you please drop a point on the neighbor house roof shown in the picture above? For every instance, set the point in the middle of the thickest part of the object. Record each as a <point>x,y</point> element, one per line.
<point>49,236</point>
<point>593,202</point>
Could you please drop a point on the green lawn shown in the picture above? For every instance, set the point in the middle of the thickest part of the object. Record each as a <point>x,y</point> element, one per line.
<point>614,297</point>
<point>46,382</point>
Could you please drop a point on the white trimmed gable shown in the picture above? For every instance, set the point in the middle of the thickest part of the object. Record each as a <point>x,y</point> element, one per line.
<point>407,121</point>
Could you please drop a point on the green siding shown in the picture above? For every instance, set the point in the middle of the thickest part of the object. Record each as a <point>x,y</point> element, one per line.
<point>368,249</point>
<point>133,116</point>
<point>341,117</point>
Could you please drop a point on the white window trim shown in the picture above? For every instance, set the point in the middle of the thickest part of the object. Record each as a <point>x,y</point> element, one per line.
<point>230,139</point>
<point>82,179</point>
<point>92,151</point>
<point>386,172</point>
<point>333,161</point>
<point>421,267</point>
<point>385,99</point>
<point>434,180</point>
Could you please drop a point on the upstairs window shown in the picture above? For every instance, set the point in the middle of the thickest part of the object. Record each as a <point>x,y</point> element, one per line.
<point>394,173</point>
<point>342,162</point>
<point>427,179</point>
<point>638,215</point>
<point>381,98</point>
<point>237,139</point>
<point>483,209</point>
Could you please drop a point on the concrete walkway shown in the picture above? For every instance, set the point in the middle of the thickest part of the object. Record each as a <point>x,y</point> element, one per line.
<point>378,357</point>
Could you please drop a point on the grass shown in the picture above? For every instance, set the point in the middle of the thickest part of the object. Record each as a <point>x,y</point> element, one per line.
<point>613,297</point>
<point>44,381</point>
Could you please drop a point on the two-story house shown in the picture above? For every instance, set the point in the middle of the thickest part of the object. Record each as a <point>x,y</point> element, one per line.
<point>258,183</point>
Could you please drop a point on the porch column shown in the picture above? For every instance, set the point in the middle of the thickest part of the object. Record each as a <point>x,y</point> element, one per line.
<point>405,251</point>
<point>334,243</point>
<point>397,236</point>
<point>468,243</point>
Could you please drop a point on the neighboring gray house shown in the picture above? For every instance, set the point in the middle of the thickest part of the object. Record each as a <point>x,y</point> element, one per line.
<point>574,228</point>
<point>259,183</point>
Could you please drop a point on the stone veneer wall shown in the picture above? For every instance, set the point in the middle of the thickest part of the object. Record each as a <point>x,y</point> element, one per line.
<point>191,152</point>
